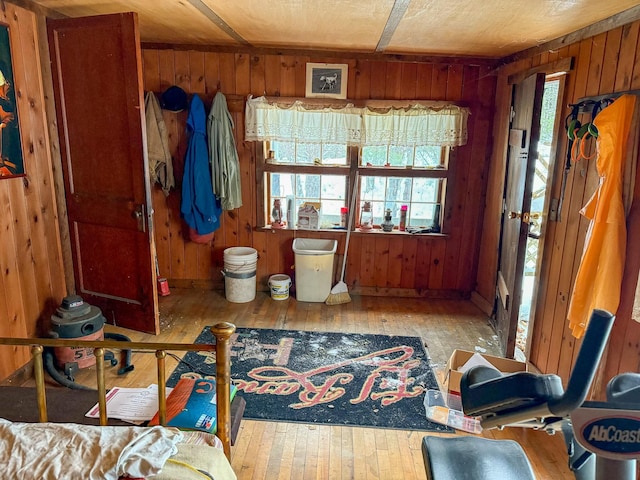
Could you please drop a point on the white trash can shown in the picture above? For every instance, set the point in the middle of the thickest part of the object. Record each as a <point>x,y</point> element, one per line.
<point>314,268</point>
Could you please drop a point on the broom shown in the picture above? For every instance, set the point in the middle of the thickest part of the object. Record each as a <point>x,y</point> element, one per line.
<point>340,293</point>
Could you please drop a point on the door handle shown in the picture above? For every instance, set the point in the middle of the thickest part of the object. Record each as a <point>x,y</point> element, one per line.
<point>526,217</point>
<point>531,217</point>
<point>138,214</point>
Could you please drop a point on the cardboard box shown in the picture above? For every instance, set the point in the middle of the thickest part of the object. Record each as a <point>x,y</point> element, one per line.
<point>460,357</point>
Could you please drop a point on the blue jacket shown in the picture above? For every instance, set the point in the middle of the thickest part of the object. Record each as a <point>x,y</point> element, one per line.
<point>199,208</point>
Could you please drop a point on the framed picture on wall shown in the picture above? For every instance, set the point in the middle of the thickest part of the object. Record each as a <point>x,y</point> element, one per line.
<point>326,80</point>
<point>11,159</point>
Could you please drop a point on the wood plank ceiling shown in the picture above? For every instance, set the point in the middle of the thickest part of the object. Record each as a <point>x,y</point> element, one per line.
<point>492,28</point>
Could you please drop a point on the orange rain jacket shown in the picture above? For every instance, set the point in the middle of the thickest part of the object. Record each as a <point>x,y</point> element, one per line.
<point>599,277</point>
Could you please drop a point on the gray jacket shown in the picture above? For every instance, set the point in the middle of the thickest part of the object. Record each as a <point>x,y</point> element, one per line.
<point>160,163</point>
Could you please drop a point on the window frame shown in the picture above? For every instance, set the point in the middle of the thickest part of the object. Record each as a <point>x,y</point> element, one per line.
<point>447,174</point>
<point>263,167</point>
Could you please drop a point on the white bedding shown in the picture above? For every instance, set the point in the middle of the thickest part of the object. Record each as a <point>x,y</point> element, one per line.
<point>52,451</point>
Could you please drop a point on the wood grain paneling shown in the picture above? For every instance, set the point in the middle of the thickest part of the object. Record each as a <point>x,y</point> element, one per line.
<point>397,262</point>
<point>452,264</point>
<point>32,279</point>
<point>605,63</point>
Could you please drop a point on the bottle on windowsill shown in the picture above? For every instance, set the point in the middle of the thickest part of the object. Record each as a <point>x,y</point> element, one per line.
<point>403,218</point>
<point>343,217</point>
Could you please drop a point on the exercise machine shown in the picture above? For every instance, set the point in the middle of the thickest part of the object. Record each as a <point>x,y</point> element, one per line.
<point>602,438</point>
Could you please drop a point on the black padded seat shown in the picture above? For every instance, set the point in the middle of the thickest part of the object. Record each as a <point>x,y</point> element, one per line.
<point>487,391</point>
<point>507,399</point>
<point>474,458</point>
<point>624,388</point>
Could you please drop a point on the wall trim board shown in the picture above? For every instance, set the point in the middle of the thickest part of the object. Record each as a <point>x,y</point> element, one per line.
<point>481,303</point>
<point>563,65</point>
<point>364,291</point>
<point>21,375</point>
<point>628,16</point>
<point>54,151</point>
<point>410,293</point>
<point>37,9</point>
<point>361,56</point>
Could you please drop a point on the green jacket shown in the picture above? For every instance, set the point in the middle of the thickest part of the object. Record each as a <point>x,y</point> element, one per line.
<point>225,167</point>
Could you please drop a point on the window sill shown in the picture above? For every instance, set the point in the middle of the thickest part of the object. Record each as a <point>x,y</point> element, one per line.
<point>375,231</point>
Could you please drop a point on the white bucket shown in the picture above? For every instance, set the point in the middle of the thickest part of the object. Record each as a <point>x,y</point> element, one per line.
<point>240,259</point>
<point>240,274</point>
<point>279,286</point>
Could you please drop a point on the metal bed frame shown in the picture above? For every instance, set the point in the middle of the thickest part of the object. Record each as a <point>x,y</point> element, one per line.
<point>221,331</point>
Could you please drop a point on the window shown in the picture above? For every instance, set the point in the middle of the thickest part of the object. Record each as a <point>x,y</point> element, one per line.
<point>403,157</point>
<point>295,189</point>
<point>423,195</point>
<point>389,179</point>
<point>307,153</point>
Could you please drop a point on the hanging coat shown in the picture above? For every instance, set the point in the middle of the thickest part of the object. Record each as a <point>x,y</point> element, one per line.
<point>199,208</point>
<point>225,167</point>
<point>599,277</point>
<point>158,153</point>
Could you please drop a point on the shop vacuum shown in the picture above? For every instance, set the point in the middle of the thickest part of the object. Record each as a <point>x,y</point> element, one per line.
<point>78,320</point>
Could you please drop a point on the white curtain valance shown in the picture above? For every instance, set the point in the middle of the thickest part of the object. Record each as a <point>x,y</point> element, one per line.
<point>417,125</point>
<point>296,122</point>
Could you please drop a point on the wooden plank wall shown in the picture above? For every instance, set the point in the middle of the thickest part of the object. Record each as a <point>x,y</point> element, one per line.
<point>605,63</point>
<point>398,264</point>
<point>32,281</point>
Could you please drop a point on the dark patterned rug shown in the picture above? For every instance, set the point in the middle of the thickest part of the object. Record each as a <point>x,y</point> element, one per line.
<point>329,378</point>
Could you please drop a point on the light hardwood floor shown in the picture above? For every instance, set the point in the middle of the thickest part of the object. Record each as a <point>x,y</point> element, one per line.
<point>276,450</point>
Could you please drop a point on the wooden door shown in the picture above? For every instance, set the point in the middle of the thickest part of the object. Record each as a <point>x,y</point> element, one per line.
<point>523,144</point>
<point>97,75</point>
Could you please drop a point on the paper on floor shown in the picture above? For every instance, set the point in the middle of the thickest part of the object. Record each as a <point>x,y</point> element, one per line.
<point>133,405</point>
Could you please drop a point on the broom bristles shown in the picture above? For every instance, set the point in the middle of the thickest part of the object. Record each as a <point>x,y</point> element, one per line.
<point>338,298</point>
<point>339,294</point>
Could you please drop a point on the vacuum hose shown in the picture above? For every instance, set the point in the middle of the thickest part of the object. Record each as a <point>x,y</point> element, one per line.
<point>62,379</point>
<point>126,363</point>
<point>56,375</point>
